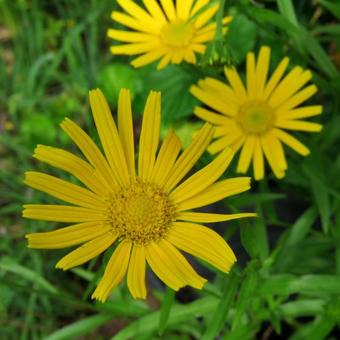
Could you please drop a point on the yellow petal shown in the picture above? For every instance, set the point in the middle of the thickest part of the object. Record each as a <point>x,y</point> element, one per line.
<point>203,178</point>
<point>149,57</point>
<point>153,7</point>
<point>292,142</point>
<point>262,67</point>
<point>236,83</point>
<point>302,112</point>
<point>189,157</point>
<point>210,218</point>
<point>169,9</point>
<point>125,129</point>
<point>135,11</point>
<point>61,213</point>
<point>109,136</point>
<point>77,167</point>
<point>90,150</point>
<point>149,137</point>
<point>216,192</point>
<point>258,162</point>
<point>205,16</point>
<point>211,117</point>
<point>136,272</point>
<point>198,5</point>
<point>63,190</point>
<point>135,48</point>
<point>276,77</point>
<point>68,236</point>
<point>251,80</point>
<point>299,125</point>
<point>166,158</point>
<point>127,36</point>
<point>203,243</point>
<point>246,154</point>
<point>183,8</point>
<point>87,251</point>
<point>114,271</point>
<point>221,143</point>
<point>171,266</point>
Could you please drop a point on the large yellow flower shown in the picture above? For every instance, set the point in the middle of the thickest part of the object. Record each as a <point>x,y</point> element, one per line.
<point>253,117</point>
<point>165,31</point>
<point>146,211</point>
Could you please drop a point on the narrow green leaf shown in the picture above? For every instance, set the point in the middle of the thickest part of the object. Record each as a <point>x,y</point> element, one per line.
<point>223,307</point>
<point>165,309</point>
<point>333,7</point>
<point>302,308</point>
<point>287,10</point>
<point>79,328</point>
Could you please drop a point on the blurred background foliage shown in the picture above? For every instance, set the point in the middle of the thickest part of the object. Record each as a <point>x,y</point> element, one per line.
<point>287,280</point>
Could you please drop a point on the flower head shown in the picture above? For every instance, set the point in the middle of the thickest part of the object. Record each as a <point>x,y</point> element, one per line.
<point>145,211</point>
<point>165,31</point>
<point>254,117</point>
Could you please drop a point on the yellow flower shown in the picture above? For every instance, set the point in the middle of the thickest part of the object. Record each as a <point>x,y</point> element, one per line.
<point>164,31</point>
<point>146,211</point>
<point>253,117</point>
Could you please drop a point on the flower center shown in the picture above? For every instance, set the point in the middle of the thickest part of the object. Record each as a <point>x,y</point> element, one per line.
<point>141,212</point>
<point>256,117</point>
<point>177,33</point>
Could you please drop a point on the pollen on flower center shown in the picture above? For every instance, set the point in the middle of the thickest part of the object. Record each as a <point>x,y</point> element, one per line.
<point>177,33</point>
<point>256,117</point>
<point>140,212</point>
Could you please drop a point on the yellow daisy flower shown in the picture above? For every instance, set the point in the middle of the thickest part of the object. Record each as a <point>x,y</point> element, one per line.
<point>165,31</point>
<point>254,117</point>
<point>145,210</point>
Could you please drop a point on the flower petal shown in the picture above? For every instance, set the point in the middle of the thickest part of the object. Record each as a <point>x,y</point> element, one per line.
<point>210,218</point>
<point>246,154</point>
<point>136,272</point>
<point>292,142</point>
<point>114,271</point>
<point>87,251</point>
<point>203,243</point>
<point>68,236</point>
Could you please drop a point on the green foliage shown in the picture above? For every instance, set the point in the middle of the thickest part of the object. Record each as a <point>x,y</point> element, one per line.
<point>287,279</point>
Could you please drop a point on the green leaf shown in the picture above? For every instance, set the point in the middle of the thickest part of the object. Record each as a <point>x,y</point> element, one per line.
<point>178,314</point>
<point>78,328</point>
<point>165,309</point>
<point>333,7</point>
<point>223,307</point>
<point>10,265</point>
<point>287,10</point>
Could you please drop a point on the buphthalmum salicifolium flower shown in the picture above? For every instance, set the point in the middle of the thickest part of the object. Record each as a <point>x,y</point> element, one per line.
<point>146,210</point>
<point>254,116</point>
<point>165,30</point>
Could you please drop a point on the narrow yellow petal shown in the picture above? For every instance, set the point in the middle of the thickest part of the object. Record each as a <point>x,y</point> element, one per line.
<point>276,77</point>
<point>216,192</point>
<point>61,213</point>
<point>148,57</point>
<point>298,98</point>
<point>151,27</point>
<point>292,142</point>
<point>149,137</point>
<point>211,117</point>
<point>182,265</point>
<point>203,243</point>
<point>125,129</point>
<point>164,61</point>
<point>166,158</point>
<point>162,265</point>
<point>135,48</point>
<point>153,7</point>
<point>114,271</point>
<point>126,36</point>
<point>270,155</point>
<point>302,112</point>
<point>135,11</point>
<point>63,190</point>
<point>258,162</point>
<point>90,150</point>
<point>199,217</point>
<point>136,272</point>
<point>236,83</point>
<point>77,167</point>
<point>262,67</point>
<point>68,236</point>
<point>203,178</point>
<point>205,16</point>
<point>221,143</point>
<point>109,136</point>
<point>189,156</point>
<point>87,251</point>
<point>251,80</point>
<point>169,9</point>
<point>198,5</point>
<point>183,8</point>
<point>246,154</point>
<point>299,125</point>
